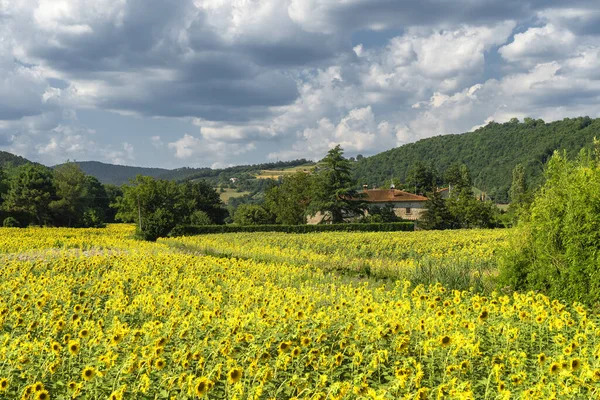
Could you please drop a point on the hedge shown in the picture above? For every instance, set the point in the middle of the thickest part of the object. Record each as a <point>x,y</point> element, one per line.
<point>350,227</point>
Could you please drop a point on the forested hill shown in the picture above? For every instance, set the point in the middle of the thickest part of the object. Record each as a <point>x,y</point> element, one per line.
<point>117,174</point>
<point>490,152</point>
<point>11,159</point>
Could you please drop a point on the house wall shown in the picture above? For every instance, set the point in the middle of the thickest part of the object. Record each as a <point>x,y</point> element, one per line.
<point>417,208</point>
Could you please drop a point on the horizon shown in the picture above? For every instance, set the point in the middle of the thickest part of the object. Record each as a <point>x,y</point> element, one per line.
<point>224,83</point>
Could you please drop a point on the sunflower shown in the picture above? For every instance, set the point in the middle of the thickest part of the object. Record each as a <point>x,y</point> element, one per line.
<point>554,368</point>
<point>234,375</point>
<point>296,352</point>
<point>38,387</point>
<point>305,341</point>
<point>202,386</point>
<point>575,364</point>
<point>3,384</point>
<point>88,373</point>
<point>338,359</point>
<point>55,347</point>
<point>483,315</point>
<point>43,395</point>
<point>445,341</point>
<point>284,346</point>
<point>159,364</point>
<point>84,333</point>
<point>72,385</point>
<point>74,347</point>
<point>541,358</point>
<point>116,339</point>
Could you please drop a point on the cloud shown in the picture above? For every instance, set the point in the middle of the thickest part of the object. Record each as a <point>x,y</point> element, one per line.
<point>201,149</point>
<point>289,78</point>
<point>538,45</point>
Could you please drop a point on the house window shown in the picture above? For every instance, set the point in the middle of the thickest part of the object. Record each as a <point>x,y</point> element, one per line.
<point>408,210</point>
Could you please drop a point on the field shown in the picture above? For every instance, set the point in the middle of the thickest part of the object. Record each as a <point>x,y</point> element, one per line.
<point>94,314</point>
<point>276,174</point>
<point>230,193</point>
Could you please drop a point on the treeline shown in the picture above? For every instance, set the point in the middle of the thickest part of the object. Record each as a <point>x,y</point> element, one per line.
<point>490,153</point>
<point>66,196</point>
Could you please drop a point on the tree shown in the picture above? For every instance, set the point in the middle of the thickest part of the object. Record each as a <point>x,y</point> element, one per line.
<point>30,191</point>
<point>252,214</point>
<point>334,194</point>
<point>422,178</point>
<point>71,185</point>
<point>458,177</point>
<point>155,205</point>
<point>518,188</point>
<point>200,196</point>
<point>437,215</point>
<point>113,192</point>
<point>164,204</point>
<point>290,200</point>
<point>556,247</point>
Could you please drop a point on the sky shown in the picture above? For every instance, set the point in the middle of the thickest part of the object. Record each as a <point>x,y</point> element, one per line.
<point>173,83</point>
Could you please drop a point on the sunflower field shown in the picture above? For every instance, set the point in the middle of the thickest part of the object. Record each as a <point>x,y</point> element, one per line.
<point>93,314</point>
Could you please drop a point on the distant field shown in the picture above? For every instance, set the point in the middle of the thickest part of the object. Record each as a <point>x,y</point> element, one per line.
<point>275,174</point>
<point>231,193</point>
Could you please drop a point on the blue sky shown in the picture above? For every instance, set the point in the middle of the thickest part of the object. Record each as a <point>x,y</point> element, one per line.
<point>171,83</point>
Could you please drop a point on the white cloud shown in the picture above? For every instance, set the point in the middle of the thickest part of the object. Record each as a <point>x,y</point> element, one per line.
<point>538,45</point>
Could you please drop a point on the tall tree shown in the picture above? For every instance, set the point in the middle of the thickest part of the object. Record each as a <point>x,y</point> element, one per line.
<point>31,189</point>
<point>290,200</point>
<point>334,194</point>
<point>458,177</point>
<point>422,178</point>
<point>518,188</point>
<point>71,185</point>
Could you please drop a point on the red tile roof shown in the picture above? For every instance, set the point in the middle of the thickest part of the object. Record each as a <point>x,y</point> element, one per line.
<point>390,195</point>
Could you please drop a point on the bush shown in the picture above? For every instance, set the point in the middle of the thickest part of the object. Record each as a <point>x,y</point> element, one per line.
<point>200,217</point>
<point>158,224</point>
<point>353,227</point>
<point>10,222</point>
<point>556,250</point>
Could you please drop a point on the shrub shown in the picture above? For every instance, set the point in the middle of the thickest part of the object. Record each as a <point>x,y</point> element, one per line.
<point>10,222</point>
<point>200,217</point>
<point>556,250</point>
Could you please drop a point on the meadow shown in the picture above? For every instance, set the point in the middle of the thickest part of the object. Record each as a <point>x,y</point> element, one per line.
<point>93,314</point>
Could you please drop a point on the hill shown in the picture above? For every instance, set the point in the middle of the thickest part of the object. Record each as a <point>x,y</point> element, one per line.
<point>490,152</point>
<point>11,159</point>
<point>117,174</point>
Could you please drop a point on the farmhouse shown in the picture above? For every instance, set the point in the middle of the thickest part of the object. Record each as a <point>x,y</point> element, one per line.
<point>406,205</point>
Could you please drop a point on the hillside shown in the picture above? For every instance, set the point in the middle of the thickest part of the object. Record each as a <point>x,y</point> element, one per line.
<point>490,152</point>
<point>117,174</point>
<point>11,159</point>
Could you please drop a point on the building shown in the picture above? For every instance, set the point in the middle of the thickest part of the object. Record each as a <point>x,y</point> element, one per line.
<point>406,205</point>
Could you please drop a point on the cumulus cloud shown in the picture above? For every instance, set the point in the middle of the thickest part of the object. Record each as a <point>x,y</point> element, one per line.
<point>284,78</point>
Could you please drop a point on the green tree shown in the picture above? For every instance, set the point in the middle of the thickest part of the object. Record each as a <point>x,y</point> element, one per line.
<point>155,205</point>
<point>290,200</point>
<point>200,196</point>
<point>458,177</point>
<point>252,214</point>
<point>518,188</point>
<point>113,193</point>
<point>333,190</point>
<point>556,247</point>
<point>437,215</point>
<point>421,178</point>
<point>30,191</point>
<point>71,187</point>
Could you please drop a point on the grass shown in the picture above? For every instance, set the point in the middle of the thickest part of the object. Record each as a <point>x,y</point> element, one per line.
<point>231,193</point>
